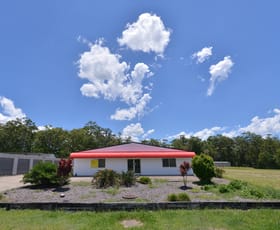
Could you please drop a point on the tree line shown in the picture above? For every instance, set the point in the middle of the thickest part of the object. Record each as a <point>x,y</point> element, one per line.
<point>248,149</point>
<point>23,136</point>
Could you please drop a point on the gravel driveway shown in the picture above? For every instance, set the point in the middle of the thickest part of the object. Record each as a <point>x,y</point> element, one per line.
<point>81,190</point>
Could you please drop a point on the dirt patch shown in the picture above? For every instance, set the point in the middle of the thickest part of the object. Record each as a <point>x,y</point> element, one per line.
<point>131,223</point>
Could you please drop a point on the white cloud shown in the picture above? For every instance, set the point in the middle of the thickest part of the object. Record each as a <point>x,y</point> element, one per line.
<point>9,111</point>
<point>132,112</point>
<point>147,34</point>
<point>205,133</point>
<point>149,132</point>
<point>260,126</point>
<point>202,55</point>
<point>110,78</point>
<point>202,134</point>
<point>264,126</point>
<point>219,72</point>
<point>133,131</point>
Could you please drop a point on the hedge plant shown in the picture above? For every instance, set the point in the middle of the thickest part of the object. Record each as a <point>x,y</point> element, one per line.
<point>203,168</point>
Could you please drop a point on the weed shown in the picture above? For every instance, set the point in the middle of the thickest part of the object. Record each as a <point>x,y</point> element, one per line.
<point>178,197</point>
<point>80,183</point>
<point>145,180</point>
<point>112,191</point>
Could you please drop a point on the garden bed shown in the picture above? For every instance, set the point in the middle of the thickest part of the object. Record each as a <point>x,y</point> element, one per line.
<point>80,190</point>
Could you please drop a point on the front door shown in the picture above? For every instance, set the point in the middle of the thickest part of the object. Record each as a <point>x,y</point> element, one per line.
<point>134,165</point>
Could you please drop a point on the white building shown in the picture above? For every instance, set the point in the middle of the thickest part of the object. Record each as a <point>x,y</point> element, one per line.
<point>142,159</point>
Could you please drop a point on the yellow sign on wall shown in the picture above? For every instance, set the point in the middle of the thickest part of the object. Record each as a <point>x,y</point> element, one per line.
<point>94,163</point>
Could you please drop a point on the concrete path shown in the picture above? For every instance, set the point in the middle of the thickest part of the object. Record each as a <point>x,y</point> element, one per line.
<point>10,182</point>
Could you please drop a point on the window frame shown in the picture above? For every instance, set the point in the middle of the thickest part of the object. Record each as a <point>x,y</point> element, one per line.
<point>101,163</point>
<point>169,163</point>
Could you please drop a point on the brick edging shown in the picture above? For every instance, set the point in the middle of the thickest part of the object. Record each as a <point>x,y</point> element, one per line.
<point>140,206</point>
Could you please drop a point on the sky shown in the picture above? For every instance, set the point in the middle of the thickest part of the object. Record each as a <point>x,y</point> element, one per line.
<point>144,69</point>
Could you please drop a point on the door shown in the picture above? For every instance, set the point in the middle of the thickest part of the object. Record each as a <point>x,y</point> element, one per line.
<point>134,165</point>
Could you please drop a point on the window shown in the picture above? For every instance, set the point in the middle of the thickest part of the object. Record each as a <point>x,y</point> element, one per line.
<point>97,163</point>
<point>169,162</point>
<point>101,163</point>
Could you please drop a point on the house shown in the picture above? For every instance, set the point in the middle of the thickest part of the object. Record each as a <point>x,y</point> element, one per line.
<point>140,158</point>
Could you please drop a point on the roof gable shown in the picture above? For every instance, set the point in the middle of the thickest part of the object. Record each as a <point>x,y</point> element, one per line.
<point>133,150</point>
<point>132,147</point>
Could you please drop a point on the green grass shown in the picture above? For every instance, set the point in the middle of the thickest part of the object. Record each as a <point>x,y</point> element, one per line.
<point>171,219</point>
<point>238,188</point>
<point>81,183</point>
<point>259,177</point>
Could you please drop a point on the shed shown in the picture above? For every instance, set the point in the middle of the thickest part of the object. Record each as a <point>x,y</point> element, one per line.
<point>140,158</point>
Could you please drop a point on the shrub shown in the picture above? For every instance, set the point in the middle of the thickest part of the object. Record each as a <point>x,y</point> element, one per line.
<point>128,178</point>
<point>219,172</point>
<point>172,197</point>
<point>237,184</point>
<point>203,167</point>
<point>224,188</point>
<point>64,171</point>
<point>43,173</point>
<point>183,197</point>
<point>178,197</point>
<point>106,178</point>
<point>145,180</point>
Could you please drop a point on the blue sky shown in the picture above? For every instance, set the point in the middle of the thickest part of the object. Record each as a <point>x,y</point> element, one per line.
<point>145,69</point>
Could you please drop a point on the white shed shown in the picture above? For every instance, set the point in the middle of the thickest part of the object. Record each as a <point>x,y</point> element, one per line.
<point>140,158</point>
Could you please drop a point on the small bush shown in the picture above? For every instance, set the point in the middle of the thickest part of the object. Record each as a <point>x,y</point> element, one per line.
<point>172,197</point>
<point>256,193</point>
<point>106,178</point>
<point>145,180</point>
<point>43,173</point>
<point>219,172</point>
<point>64,171</point>
<point>128,178</point>
<point>203,167</point>
<point>237,184</point>
<point>178,197</point>
<point>224,188</point>
<point>183,197</point>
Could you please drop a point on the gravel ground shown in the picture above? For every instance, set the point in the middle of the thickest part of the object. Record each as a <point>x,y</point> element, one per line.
<point>81,190</point>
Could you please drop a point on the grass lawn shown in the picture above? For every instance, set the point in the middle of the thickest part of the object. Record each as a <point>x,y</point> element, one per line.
<point>170,219</point>
<point>260,177</point>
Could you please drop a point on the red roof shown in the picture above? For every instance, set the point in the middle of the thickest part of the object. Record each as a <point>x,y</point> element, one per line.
<point>133,150</point>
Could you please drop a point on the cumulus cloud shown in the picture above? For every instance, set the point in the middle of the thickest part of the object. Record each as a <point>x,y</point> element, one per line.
<point>135,131</point>
<point>109,77</point>
<point>9,111</point>
<point>132,112</point>
<point>202,55</point>
<point>219,72</point>
<point>264,126</point>
<point>202,134</point>
<point>261,126</point>
<point>148,133</point>
<point>147,34</point>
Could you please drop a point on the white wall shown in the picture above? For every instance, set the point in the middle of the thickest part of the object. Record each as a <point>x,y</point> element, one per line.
<point>149,166</point>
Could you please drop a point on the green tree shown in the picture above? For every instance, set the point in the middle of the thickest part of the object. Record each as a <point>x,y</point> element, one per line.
<point>203,167</point>
<point>17,135</point>
<point>221,148</point>
<point>52,140</point>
